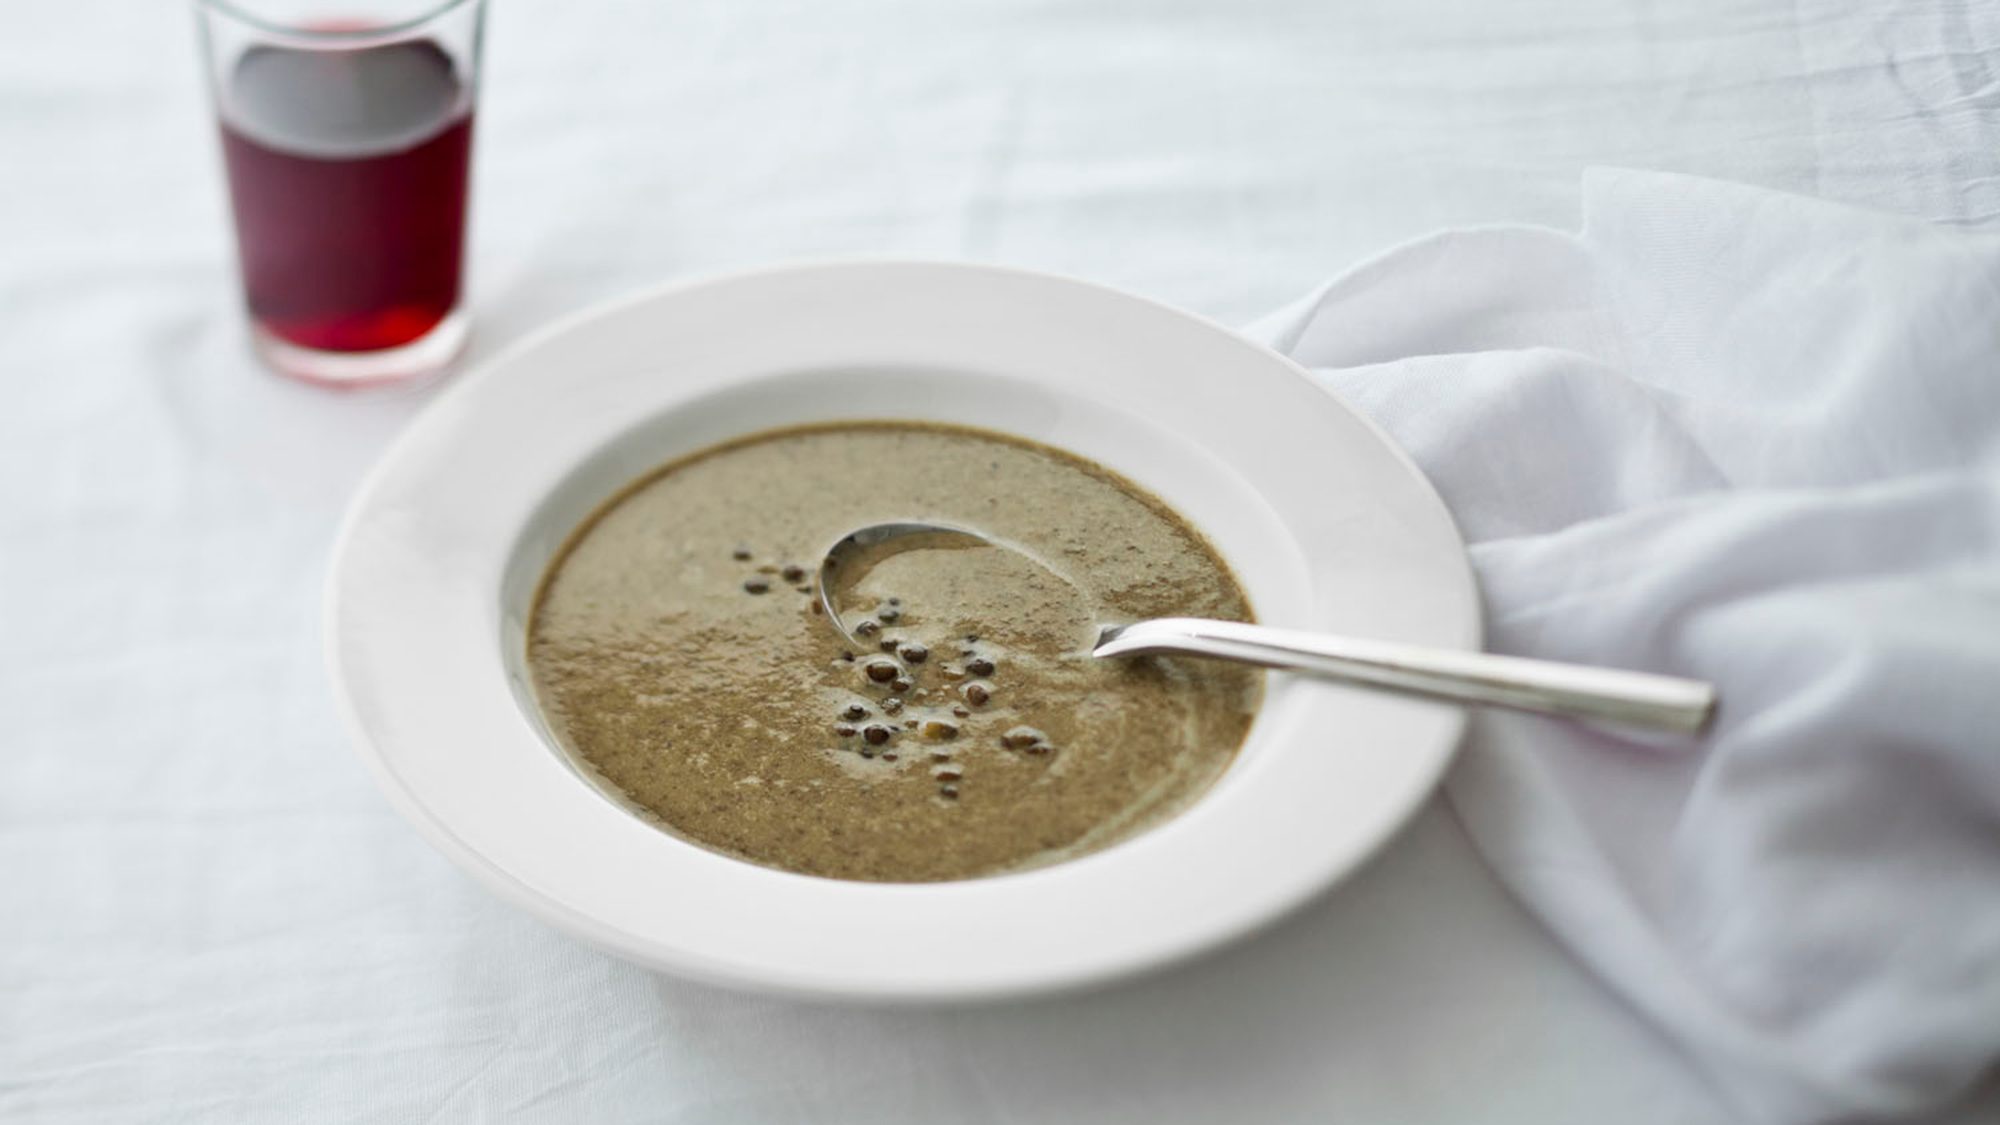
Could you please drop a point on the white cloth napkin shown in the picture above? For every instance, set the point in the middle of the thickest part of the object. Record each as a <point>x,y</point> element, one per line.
<point>1753,438</point>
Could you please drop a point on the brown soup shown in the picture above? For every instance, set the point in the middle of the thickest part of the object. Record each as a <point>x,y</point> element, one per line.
<point>679,656</point>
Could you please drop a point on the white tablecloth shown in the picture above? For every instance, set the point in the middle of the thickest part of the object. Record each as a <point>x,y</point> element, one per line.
<point>206,913</point>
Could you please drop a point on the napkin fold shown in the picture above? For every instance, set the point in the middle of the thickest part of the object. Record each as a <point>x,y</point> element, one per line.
<point>1752,438</point>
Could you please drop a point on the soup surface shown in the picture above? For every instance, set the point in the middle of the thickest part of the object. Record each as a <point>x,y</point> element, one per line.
<point>679,655</point>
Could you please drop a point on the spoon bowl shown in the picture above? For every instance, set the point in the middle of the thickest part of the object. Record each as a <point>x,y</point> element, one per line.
<point>853,552</point>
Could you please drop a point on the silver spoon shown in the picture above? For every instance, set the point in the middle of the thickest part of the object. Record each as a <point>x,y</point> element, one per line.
<point>1573,690</point>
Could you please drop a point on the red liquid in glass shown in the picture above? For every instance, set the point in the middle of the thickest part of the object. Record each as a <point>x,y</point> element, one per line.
<point>348,172</point>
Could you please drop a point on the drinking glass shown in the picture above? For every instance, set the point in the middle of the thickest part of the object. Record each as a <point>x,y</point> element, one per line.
<point>347,137</point>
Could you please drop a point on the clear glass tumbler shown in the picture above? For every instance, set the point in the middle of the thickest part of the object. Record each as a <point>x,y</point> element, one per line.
<point>347,137</point>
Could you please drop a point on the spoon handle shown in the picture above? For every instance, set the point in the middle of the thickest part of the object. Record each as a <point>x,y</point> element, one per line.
<point>1575,690</point>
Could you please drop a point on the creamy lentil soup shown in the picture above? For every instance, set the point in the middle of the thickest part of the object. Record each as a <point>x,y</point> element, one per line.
<point>679,655</point>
